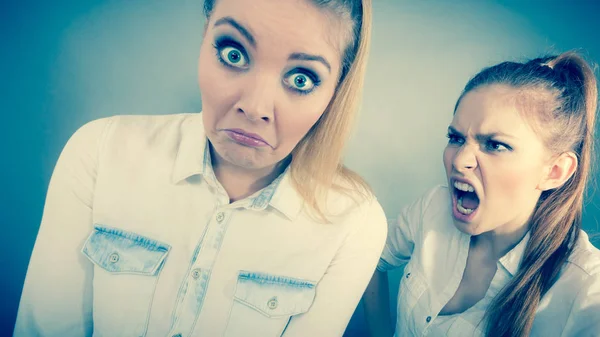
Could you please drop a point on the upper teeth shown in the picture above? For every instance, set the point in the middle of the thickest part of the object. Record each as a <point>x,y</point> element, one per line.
<point>463,186</point>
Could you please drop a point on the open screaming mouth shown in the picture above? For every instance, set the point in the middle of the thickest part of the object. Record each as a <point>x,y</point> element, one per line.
<point>466,197</point>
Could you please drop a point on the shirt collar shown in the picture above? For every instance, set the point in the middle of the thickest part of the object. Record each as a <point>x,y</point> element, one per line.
<point>193,158</point>
<point>286,198</point>
<point>511,260</point>
<point>192,154</point>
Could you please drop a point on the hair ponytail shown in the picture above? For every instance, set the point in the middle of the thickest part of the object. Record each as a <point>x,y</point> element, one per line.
<point>572,92</point>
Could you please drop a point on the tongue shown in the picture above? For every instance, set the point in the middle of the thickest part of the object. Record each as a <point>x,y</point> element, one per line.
<point>470,201</point>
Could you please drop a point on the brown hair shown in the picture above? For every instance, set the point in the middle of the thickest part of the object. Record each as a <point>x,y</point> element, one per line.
<point>316,165</point>
<point>563,93</point>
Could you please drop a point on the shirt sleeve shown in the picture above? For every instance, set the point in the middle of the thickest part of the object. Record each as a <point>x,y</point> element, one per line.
<point>57,293</point>
<point>584,318</point>
<point>345,280</point>
<point>402,234</point>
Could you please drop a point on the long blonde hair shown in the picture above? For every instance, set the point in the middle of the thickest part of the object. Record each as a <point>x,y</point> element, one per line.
<point>316,166</point>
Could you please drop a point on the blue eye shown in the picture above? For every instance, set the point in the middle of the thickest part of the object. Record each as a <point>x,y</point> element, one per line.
<point>301,82</point>
<point>231,53</point>
<point>494,146</point>
<point>234,57</point>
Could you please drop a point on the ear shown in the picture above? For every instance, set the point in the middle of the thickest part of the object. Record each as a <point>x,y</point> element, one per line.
<point>559,171</point>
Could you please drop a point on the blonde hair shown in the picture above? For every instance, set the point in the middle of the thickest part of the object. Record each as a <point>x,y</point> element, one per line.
<point>316,166</point>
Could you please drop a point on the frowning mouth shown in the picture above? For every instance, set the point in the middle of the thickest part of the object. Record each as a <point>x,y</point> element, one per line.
<point>245,138</point>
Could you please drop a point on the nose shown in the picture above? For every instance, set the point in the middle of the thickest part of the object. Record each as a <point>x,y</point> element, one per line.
<point>465,159</point>
<point>258,98</point>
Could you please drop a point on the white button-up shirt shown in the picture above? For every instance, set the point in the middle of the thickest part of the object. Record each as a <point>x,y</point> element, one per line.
<point>138,238</point>
<point>434,253</point>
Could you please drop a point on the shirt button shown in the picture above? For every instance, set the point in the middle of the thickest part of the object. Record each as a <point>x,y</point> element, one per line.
<point>196,274</point>
<point>428,319</point>
<point>408,275</point>
<point>220,217</point>
<point>272,304</point>
<point>113,258</point>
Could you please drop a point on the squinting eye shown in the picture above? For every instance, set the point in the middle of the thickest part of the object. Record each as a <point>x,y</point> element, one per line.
<point>233,57</point>
<point>454,139</point>
<point>300,82</point>
<point>496,146</point>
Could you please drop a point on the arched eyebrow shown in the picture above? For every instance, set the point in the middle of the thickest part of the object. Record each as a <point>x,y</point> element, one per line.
<point>228,20</point>
<point>309,57</point>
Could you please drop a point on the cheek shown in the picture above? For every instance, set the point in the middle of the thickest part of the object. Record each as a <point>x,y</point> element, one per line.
<point>514,180</point>
<point>291,129</point>
<point>209,81</point>
<point>217,89</point>
<point>299,115</point>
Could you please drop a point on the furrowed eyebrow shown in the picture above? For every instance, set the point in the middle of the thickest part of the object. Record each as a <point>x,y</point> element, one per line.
<point>481,136</point>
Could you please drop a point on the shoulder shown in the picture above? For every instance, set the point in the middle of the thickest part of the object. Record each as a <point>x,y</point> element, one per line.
<point>436,199</point>
<point>580,276</point>
<point>580,283</point>
<point>356,203</point>
<point>585,258</point>
<point>356,208</point>
<point>129,144</point>
<point>150,128</point>
<point>433,207</point>
<point>133,127</point>
<point>138,136</point>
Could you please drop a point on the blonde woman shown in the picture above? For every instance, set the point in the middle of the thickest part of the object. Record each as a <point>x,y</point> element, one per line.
<point>500,250</point>
<point>237,221</point>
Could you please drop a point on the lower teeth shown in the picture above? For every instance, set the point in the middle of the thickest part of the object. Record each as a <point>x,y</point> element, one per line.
<point>463,210</point>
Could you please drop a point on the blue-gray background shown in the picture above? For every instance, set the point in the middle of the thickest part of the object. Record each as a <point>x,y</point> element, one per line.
<point>63,63</point>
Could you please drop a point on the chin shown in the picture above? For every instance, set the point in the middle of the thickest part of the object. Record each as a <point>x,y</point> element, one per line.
<point>243,159</point>
<point>471,228</point>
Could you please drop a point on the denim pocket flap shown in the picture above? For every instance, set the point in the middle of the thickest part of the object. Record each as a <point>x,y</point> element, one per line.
<point>274,296</point>
<point>119,251</point>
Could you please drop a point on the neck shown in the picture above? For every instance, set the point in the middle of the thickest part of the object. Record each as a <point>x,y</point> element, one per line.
<point>501,240</point>
<point>240,182</point>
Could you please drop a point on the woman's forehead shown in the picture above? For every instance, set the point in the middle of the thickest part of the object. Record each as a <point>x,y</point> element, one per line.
<point>286,25</point>
<point>493,110</point>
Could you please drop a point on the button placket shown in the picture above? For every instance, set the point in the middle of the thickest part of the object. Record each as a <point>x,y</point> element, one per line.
<point>199,276</point>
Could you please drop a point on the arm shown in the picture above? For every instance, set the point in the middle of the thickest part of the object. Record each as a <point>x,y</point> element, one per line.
<point>340,289</point>
<point>57,294</point>
<point>376,302</point>
<point>397,252</point>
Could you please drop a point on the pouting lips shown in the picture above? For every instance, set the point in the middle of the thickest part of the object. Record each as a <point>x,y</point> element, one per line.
<point>467,199</point>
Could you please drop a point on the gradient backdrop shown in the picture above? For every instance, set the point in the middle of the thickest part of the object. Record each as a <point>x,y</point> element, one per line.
<point>64,63</point>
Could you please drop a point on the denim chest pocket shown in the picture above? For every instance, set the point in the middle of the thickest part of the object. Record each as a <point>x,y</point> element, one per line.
<point>264,303</point>
<point>127,266</point>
